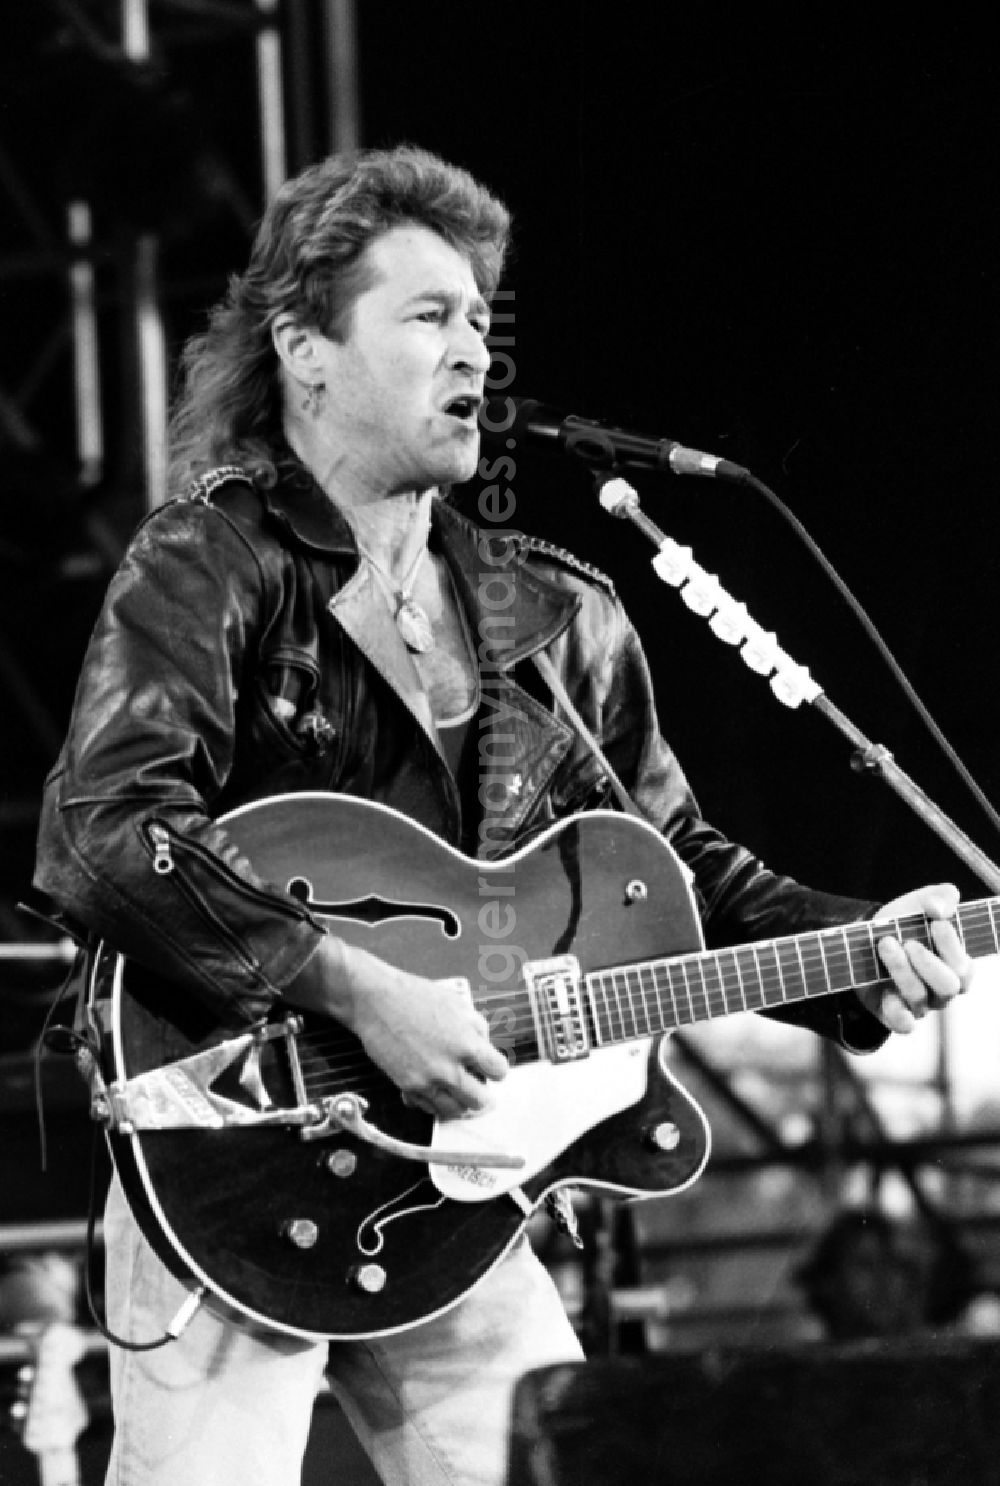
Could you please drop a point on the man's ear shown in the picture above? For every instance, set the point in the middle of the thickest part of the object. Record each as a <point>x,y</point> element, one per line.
<point>295,346</point>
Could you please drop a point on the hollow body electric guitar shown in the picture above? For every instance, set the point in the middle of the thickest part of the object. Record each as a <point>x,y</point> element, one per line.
<point>279,1170</point>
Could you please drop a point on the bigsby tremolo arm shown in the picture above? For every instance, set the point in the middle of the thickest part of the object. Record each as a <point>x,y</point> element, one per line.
<point>346,1112</point>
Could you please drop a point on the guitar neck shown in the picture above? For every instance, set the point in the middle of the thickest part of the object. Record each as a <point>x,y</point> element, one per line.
<point>59,1467</point>
<point>630,1001</point>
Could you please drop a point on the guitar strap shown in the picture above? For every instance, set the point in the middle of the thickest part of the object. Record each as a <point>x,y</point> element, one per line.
<point>548,673</point>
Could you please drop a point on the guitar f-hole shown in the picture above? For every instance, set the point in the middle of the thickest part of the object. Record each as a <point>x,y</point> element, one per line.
<point>374,910</point>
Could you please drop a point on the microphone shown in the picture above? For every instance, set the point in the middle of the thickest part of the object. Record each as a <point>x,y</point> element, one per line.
<point>511,421</point>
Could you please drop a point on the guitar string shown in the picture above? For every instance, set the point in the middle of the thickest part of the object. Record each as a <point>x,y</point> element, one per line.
<point>320,1048</point>
<point>627,980</point>
<point>769,976</point>
<point>769,988</point>
<point>638,1003</point>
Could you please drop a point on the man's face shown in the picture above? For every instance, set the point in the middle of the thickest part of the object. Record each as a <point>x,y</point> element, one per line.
<point>414,348</point>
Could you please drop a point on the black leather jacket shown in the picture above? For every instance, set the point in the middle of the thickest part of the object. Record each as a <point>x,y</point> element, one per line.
<point>242,652</point>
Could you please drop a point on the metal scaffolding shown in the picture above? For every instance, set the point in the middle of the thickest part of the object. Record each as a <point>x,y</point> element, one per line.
<point>114,246</point>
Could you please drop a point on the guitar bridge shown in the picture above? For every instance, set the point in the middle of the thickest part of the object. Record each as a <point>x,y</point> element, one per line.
<point>557,1006</point>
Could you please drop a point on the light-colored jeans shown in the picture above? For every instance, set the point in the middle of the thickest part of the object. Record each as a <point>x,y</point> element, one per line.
<point>226,1406</point>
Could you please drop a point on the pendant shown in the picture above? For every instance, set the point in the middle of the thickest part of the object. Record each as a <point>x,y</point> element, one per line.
<point>414,627</point>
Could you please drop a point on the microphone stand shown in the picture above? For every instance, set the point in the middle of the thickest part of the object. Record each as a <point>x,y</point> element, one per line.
<point>790,683</point>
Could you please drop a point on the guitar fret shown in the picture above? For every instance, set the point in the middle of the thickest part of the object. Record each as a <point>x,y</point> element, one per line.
<point>746,966</point>
<point>609,1007</point>
<point>791,970</point>
<point>687,990</point>
<point>838,965</point>
<point>802,965</point>
<point>675,978</point>
<point>629,1006</point>
<point>649,971</point>
<point>697,967</point>
<point>815,973</point>
<point>696,988</point>
<point>637,1002</point>
<point>758,975</point>
<point>616,1011</point>
<point>769,971</point>
<point>623,1005</point>
<point>732,982</point>
<point>644,1004</point>
<point>650,1001</point>
<point>625,994</point>
<point>862,962</point>
<point>715,996</point>
<point>668,970</point>
<point>617,1015</point>
<point>651,996</point>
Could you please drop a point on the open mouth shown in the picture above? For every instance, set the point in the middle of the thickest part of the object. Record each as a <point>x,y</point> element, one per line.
<point>464,407</point>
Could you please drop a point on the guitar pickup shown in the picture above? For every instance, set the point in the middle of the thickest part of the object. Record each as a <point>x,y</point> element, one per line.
<point>557,1006</point>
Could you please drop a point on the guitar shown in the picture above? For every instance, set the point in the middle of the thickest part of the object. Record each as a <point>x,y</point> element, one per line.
<point>279,1169</point>
<point>50,1413</point>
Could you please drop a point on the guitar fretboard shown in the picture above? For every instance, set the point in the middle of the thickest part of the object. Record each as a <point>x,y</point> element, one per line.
<point>630,1001</point>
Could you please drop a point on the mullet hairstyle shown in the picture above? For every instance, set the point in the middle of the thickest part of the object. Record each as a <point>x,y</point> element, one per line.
<point>306,260</point>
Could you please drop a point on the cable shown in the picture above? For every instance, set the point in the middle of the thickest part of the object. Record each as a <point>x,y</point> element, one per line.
<point>88,1264</point>
<point>40,1045</point>
<point>71,1038</point>
<point>871,631</point>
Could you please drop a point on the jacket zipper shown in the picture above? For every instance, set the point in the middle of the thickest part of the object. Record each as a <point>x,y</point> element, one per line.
<point>164,842</point>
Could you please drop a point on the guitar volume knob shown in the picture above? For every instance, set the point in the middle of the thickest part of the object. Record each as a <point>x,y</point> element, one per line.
<point>301,1232</point>
<point>342,1163</point>
<point>663,1137</point>
<point>371,1278</point>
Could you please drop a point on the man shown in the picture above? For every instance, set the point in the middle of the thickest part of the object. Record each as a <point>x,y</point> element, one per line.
<point>309,617</point>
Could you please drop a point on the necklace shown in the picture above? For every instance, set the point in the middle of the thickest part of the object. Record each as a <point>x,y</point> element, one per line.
<point>411,618</point>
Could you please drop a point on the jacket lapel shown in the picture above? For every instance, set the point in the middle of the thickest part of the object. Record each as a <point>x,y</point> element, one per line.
<point>513,610</point>
<point>359,606</point>
<point>360,609</point>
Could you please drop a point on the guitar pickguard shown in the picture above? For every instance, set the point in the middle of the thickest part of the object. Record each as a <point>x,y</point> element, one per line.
<point>537,1112</point>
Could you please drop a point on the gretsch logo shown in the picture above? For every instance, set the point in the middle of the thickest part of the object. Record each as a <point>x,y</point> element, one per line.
<point>477,1175</point>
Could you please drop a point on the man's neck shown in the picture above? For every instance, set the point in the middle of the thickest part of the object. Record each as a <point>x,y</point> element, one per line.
<point>392,527</point>
<point>392,530</point>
